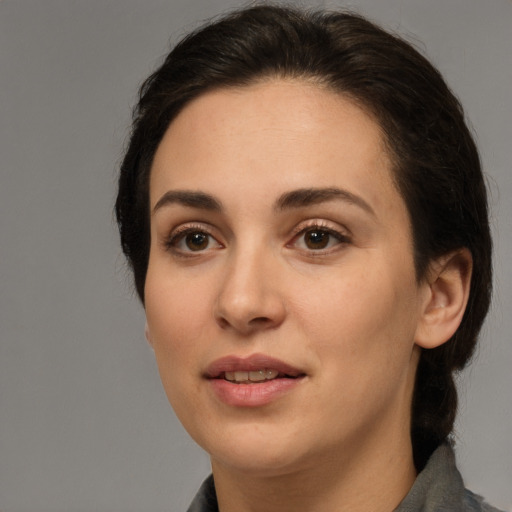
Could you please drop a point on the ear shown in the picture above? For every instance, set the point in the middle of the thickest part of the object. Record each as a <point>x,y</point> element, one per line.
<point>148,334</point>
<point>447,286</point>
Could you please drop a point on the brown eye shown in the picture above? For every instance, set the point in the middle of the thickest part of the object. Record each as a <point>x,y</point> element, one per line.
<point>191,240</point>
<point>316,239</point>
<point>197,241</point>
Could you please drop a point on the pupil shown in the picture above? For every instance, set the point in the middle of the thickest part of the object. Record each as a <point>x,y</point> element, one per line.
<point>197,241</point>
<point>317,239</point>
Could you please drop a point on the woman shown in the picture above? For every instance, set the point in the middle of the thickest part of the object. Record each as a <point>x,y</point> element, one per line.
<point>304,212</point>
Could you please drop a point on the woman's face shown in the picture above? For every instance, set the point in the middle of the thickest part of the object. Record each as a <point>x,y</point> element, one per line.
<point>281,296</point>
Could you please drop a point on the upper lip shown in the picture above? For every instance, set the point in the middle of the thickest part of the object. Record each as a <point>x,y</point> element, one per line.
<point>253,362</point>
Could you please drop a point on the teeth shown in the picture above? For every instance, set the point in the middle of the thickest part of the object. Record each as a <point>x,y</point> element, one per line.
<point>241,376</point>
<point>253,376</point>
<point>257,376</point>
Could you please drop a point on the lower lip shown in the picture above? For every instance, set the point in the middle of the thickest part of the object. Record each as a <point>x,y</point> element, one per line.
<point>252,395</point>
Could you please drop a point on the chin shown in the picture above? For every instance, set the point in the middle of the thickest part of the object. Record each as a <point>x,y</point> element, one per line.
<point>253,449</point>
<point>262,461</point>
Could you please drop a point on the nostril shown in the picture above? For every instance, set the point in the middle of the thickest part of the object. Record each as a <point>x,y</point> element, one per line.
<point>224,324</point>
<point>259,320</point>
<point>249,312</point>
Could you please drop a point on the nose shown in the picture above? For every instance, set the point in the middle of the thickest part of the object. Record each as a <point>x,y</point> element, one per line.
<point>249,298</point>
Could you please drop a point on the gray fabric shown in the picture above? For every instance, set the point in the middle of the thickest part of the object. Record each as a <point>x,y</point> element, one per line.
<point>438,488</point>
<point>205,499</point>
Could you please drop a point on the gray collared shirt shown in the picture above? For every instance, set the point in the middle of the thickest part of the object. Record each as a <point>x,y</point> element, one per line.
<point>438,488</point>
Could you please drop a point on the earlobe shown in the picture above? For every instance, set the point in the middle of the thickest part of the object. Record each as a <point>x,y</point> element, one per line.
<point>448,285</point>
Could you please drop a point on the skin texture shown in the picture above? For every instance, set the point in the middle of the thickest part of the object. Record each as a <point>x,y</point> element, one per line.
<point>350,316</point>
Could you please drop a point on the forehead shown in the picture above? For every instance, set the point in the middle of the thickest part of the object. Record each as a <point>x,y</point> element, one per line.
<point>284,134</point>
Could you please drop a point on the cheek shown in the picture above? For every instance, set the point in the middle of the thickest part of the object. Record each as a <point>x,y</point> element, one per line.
<point>173,327</point>
<point>175,305</point>
<point>178,315</point>
<point>364,322</point>
<point>361,331</point>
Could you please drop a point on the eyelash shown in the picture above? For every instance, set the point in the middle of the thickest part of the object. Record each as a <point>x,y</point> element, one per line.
<point>321,227</point>
<point>179,235</point>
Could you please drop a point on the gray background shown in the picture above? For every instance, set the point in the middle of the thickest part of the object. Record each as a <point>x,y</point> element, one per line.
<point>84,423</point>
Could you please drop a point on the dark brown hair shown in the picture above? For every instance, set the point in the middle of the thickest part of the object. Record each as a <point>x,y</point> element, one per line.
<point>436,163</point>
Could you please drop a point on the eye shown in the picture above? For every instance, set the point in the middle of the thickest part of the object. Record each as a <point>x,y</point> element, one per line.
<point>196,241</point>
<point>318,238</point>
<point>189,240</point>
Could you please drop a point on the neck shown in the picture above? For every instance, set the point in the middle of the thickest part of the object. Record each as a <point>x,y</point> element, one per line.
<point>373,470</point>
<point>375,478</point>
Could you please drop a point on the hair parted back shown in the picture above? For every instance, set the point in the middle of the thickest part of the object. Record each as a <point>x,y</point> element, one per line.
<point>436,163</point>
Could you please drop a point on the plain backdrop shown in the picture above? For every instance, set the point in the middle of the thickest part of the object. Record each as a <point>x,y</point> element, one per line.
<point>84,422</point>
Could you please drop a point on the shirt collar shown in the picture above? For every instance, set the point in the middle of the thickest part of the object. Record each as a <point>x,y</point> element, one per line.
<point>438,488</point>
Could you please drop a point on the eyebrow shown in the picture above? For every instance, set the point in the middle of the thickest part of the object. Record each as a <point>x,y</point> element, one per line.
<point>192,199</point>
<point>299,198</point>
<point>303,197</point>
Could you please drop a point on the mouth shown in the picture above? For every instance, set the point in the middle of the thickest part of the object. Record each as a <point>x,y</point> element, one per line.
<point>254,381</point>
<point>252,377</point>
<point>254,369</point>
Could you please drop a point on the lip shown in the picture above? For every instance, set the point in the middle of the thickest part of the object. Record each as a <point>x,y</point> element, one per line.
<point>255,394</point>
<point>253,362</point>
